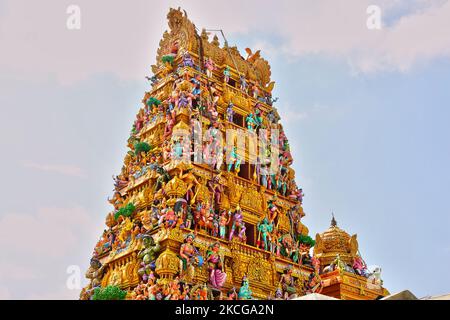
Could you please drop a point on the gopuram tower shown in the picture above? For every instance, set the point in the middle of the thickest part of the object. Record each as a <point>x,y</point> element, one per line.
<point>206,205</point>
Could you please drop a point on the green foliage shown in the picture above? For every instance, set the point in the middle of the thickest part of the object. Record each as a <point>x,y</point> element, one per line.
<point>109,293</point>
<point>141,147</point>
<point>168,59</point>
<point>153,101</point>
<point>126,211</point>
<point>306,240</point>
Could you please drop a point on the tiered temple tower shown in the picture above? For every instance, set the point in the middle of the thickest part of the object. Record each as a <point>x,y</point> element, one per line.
<point>206,205</point>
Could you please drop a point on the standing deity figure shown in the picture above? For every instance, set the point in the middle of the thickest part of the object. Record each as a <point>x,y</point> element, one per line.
<point>189,257</point>
<point>234,160</point>
<point>243,83</point>
<point>336,264</point>
<point>95,274</point>
<point>226,74</point>
<point>148,255</point>
<point>187,60</point>
<point>273,209</point>
<point>224,220</point>
<point>258,116</point>
<point>196,81</point>
<point>287,283</point>
<point>251,122</point>
<point>316,264</point>
<point>264,228</point>
<point>238,225</point>
<point>210,67</point>
<point>230,112</point>
<point>216,188</point>
<point>189,178</point>
<point>244,292</point>
<point>255,91</point>
<point>217,276</point>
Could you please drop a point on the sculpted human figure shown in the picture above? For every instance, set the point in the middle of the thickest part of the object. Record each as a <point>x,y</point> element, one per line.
<point>264,229</point>
<point>210,67</point>
<point>224,220</point>
<point>189,257</point>
<point>238,225</point>
<point>226,74</point>
<point>189,178</point>
<point>287,282</point>
<point>244,292</point>
<point>148,255</point>
<point>95,275</point>
<point>217,276</point>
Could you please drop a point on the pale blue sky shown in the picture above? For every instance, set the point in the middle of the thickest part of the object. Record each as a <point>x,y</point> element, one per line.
<point>366,115</point>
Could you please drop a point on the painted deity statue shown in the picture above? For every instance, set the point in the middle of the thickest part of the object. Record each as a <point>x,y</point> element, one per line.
<point>189,178</point>
<point>224,220</point>
<point>360,266</point>
<point>243,83</point>
<point>187,60</point>
<point>148,255</point>
<point>251,122</point>
<point>314,283</point>
<point>210,67</point>
<point>226,74</point>
<point>217,276</point>
<point>230,112</point>
<point>264,228</point>
<point>238,226</point>
<point>95,275</point>
<point>244,292</point>
<point>287,282</point>
<point>234,161</point>
<point>189,257</point>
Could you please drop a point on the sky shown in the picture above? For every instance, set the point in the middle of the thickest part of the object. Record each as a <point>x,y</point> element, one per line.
<point>366,112</point>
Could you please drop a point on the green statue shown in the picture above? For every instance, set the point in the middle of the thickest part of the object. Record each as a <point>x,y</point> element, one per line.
<point>264,228</point>
<point>148,255</point>
<point>244,292</point>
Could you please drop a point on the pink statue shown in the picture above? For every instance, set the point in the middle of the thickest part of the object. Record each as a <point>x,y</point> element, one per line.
<point>217,276</point>
<point>360,266</point>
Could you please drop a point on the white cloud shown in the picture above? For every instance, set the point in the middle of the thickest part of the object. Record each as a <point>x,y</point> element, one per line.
<point>68,170</point>
<point>122,38</point>
<point>50,232</point>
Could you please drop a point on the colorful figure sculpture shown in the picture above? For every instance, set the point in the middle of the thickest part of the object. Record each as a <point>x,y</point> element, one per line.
<point>238,226</point>
<point>94,274</point>
<point>224,220</point>
<point>360,266</point>
<point>210,67</point>
<point>187,60</point>
<point>190,258</point>
<point>264,228</point>
<point>243,83</point>
<point>244,292</point>
<point>148,256</point>
<point>226,74</point>
<point>287,283</point>
<point>251,122</point>
<point>255,91</point>
<point>230,112</point>
<point>217,276</point>
<point>234,161</point>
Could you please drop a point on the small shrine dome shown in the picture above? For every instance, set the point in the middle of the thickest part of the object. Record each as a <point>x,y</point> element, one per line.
<point>335,241</point>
